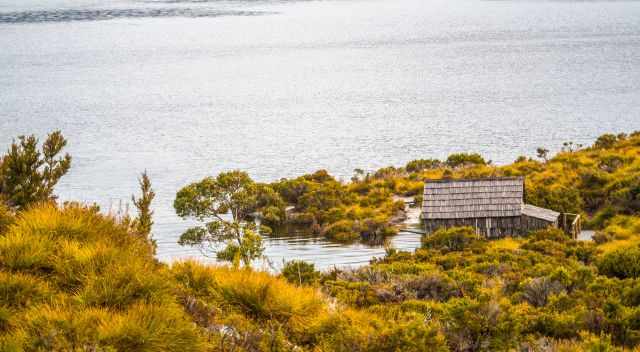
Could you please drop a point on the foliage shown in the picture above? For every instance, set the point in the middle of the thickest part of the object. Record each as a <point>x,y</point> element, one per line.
<point>300,272</point>
<point>73,279</point>
<point>622,263</point>
<point>144,221</point>
<point>449,240</point>
<point>422,164</point>
<point>465,159</point>
<point>28,175</point>
<point>209,201</point>
<point>362,209</point>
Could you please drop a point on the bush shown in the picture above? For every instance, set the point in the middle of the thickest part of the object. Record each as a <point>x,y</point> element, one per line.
<point>605,141</point>
<point>622,263</point>
<point>300,272</point>
<point>422,164</point>
<point>451,239</point>
<point>465,159</point>
<point>537,291</point>
<point>343,230</point>
<point>601,237</point>
<point>550,234</point>
<point>435,287</point>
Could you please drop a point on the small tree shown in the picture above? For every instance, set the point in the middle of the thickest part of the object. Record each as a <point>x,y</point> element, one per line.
<point>300,272</point>
<point>144,221</point>
<point>27,175</point>
<point>211,202</point>
<point>543,153</point>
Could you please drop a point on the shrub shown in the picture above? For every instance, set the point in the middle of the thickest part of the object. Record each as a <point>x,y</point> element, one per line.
<point>550,234</point>
<point>472,325</point>
<point>422,164</point>
<point>357,331</point>
<point>622,263</point>
<point>465,159</point>
<point>435,287</point>
<point>343,230</point>
<point>300,272</point>
<point>452,239</point>
<point>605,141</point>
<point>537,291</point>
<point>601,237</point>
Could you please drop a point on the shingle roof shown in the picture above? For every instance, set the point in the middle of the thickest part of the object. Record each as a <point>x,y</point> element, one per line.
<point>473,198</point>
<point>540,213</point>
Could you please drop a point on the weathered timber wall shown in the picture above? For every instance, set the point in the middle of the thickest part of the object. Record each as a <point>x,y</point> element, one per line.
<point>493,227</point>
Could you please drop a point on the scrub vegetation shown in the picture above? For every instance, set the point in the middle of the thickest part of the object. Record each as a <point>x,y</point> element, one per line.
<point>75,279</point>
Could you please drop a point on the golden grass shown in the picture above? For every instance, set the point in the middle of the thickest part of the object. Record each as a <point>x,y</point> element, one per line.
<point>73,279</point>
<point>257,294</point>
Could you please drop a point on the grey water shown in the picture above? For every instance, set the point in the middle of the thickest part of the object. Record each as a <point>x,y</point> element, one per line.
<point>185,89</point>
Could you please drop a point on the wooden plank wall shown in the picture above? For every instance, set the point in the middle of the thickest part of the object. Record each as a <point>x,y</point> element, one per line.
<point>493,227</point>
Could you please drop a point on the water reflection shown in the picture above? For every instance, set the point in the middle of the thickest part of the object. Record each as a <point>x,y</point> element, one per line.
<point>325,254</point>
<point>70,15</point>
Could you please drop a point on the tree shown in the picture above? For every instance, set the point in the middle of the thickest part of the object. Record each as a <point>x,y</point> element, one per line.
<point>211,201</point>
<point>144,221</point>
<point>27,175</point>
<point>543,153</point>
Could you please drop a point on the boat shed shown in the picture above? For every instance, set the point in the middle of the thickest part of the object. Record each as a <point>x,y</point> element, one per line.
<point>495,207</point>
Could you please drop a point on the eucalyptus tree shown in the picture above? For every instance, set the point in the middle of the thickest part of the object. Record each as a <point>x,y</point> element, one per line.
<point>223,206</point>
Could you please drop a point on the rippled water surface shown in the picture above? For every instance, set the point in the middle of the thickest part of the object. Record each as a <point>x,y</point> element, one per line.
<point>186,89</point>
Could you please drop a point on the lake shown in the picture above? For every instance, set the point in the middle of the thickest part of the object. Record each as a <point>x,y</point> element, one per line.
<point>186,89</point>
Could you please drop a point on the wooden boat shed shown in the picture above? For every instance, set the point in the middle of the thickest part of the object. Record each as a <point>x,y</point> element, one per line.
<point>495,207</point>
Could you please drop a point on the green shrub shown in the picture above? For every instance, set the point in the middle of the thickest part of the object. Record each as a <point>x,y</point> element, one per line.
<point>465,159</point>
<point>550,234</point>
<point>343,230</point>
<point>422,164</point>
<point>300,272</point>
<point>451,239</point>
<point>434,286</point>
<point>622,263</point>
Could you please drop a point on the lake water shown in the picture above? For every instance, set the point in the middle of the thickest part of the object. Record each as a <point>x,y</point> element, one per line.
<point>186,89</point>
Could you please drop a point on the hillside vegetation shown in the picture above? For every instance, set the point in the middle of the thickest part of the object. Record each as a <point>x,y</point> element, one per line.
<point>74,279</point>
<point>599,182</point>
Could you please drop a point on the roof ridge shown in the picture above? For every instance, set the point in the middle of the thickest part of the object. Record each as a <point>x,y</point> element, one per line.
<point>495,178</point>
